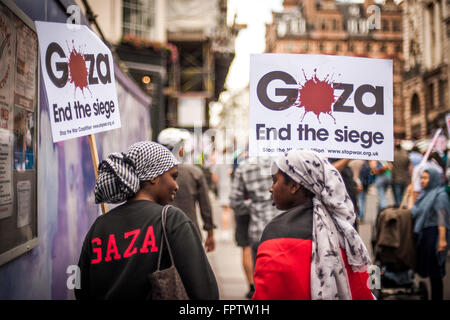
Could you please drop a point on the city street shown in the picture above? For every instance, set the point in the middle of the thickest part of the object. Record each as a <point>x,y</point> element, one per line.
<point>101,100</point>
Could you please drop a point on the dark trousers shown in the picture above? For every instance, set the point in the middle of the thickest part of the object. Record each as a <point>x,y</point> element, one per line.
<point>430,263</point>
<point>399,190</point>
<point>437,288</point>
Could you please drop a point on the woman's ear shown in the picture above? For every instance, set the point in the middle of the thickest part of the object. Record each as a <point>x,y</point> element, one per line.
<point>154,181</point>
<point>294,188</point>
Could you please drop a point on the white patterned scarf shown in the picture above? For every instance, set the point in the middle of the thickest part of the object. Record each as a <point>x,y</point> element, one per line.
<point>333,219</point>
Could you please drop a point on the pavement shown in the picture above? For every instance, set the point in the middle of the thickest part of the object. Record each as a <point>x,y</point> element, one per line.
<point>226,259</point>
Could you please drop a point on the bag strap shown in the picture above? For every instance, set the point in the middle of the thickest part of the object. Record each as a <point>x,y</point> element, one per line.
<point>163,225</point>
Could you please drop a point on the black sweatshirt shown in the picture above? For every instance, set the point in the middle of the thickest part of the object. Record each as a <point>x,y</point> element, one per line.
<point>121,249</point>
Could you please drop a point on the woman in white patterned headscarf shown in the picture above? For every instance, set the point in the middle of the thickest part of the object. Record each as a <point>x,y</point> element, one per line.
<point>123,246</point>
<point>312,250</point>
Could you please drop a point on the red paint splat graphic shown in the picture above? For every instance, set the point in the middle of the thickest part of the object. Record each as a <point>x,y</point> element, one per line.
<point>78,70</point>
<point>316,96</point>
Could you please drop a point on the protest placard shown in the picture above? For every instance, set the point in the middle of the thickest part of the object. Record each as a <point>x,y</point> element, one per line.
<point>447,120</point>
<point>78,72</point>
<point>340,107</point>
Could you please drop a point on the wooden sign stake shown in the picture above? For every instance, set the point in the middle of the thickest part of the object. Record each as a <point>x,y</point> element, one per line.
<point>94,154</point>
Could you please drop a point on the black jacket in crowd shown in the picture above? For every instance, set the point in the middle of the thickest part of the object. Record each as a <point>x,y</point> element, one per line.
<point>121,249</point>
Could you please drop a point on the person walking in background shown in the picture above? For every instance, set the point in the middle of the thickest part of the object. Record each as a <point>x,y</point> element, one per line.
<point>446,159</point>
<point>431,212</point>
<point>366,178</point>
<point>193,188</point>
<point>311,251</point>
<point>250,195</point>
<point>382,171</point>
<point>241,236</point>
<point>121,249</point>
<point>221,172</point>
<point>439,161</point>
<point>356,165</point>
<point>347,176</point>
<point>415,156</point>
<point>400,172</point>
<point>242,221</point>
<point>431,163</point>
<point>447,176</point>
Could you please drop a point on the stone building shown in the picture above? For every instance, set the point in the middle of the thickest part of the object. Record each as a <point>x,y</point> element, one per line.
<point>426,46</point>
<point>342,28</point>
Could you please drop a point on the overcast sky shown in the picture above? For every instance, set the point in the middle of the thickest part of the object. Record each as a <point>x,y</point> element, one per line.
<point>254,13</point>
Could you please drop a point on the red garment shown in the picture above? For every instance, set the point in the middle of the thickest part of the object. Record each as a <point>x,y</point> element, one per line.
<point>283,269</point>
<point>283,263</point>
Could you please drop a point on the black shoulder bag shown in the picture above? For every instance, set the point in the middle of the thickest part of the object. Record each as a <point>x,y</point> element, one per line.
<point>166,284</point>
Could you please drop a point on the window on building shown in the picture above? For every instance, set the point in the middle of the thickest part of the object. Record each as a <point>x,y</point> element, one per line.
<point>352,26</point>
<point>338,47</point>
<point>192,61</point>
<point>138,17</point>
<point>415,105</point>
<point>335,24</point>
<point>354,11</point>
<point>430,96</point>
<point>385,24</point>
<point>297,26</point>
<point>281,29</point>
<point>351,47</point>
<point>442,89</point>
<point>294,27</point>
<point>383,48</point>
<point>362,26</point>
<point>321,47</point>
<point>416,131</point>
<point>397,25</point>
<point>302,25</point>
<point>368,47</point>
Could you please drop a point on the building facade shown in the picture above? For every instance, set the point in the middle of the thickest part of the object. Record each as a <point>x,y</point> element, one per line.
<point>205,41</point>
<point>179,52</point>
<point>427,56</point>
<point>342,28</point>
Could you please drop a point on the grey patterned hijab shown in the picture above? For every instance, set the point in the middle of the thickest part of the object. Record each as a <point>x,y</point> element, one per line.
<point>120,175</point>
<point>333,219</point>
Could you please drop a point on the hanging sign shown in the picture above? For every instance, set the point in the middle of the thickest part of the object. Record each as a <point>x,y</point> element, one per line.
<point>447,120</point>
<point>78,72</point>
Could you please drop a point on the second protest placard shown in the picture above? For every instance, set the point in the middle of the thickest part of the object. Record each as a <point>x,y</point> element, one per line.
<point>340,107</point>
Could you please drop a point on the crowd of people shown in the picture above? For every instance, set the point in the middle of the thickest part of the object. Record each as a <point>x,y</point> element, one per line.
<point>296,219</point>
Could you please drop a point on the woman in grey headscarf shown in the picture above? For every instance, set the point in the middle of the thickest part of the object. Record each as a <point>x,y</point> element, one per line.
<point>431,213</point>
<point>311,251</point>
<point>122,247</point>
